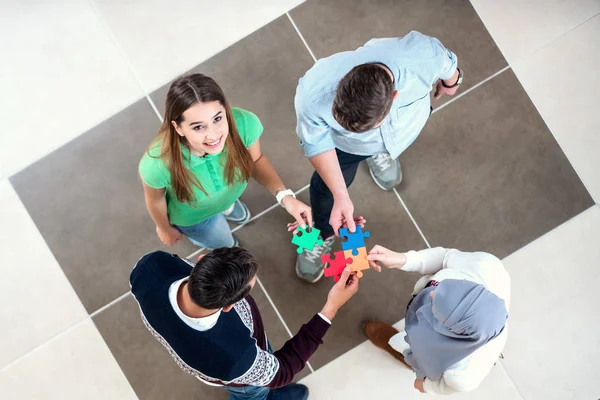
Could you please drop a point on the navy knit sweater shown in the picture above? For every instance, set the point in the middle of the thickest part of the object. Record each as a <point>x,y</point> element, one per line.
<point>234,351</point>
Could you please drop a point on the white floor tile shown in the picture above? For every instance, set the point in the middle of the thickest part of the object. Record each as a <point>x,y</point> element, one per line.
<point>562,79</point>
<point>37,300</point>
<point>519,27</point>
<point>163,40</point>
<point>76,365</point>
<point>60,75</point>
<point>553,350</point>
<point>367,372</point>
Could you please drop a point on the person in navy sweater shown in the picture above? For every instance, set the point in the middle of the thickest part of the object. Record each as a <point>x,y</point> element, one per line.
<point>205,318</point>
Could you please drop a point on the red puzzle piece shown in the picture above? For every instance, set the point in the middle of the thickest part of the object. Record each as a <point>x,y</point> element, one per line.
<point>337,262</point>
<point>359,262</point>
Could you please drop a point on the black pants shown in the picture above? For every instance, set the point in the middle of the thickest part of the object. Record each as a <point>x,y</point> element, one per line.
<point>321,198</point>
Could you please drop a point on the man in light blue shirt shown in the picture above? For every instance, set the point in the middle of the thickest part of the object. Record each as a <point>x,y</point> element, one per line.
<point>368,104</point>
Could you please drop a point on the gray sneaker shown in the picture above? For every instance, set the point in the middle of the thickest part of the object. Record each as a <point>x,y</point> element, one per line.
<point>309,266</point>
<point>385,172</point>
<point>238,213</point>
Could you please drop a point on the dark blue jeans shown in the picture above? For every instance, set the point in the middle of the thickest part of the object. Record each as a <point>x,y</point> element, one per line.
<point>321,198</point>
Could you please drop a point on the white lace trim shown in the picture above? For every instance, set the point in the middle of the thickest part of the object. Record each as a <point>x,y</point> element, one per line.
<point>263,370</point>
<point>243,309</point>
<point>182,364</point>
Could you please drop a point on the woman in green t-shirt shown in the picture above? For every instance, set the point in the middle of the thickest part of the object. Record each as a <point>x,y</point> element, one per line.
<point>198,166</point>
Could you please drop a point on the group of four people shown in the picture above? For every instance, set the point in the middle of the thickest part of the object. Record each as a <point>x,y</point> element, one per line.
<point>368,104</point>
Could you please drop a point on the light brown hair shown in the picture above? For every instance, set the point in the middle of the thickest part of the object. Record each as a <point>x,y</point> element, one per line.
<point>363,98</point>
<point>184,93</point>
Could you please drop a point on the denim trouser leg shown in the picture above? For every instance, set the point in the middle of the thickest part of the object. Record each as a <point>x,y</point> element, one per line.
<point>211,233</point>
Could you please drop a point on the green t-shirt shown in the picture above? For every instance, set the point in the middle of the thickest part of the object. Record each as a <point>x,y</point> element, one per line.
<point>210,172</point>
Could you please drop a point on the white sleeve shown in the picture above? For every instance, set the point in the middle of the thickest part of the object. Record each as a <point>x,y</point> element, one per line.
<point>425,262</point>
<point>437,387</point>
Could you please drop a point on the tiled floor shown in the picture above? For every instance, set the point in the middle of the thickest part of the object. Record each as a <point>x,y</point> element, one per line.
<point>509,166</point>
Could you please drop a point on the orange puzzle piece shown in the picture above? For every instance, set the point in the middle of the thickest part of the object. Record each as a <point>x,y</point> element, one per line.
<point>359,262</point>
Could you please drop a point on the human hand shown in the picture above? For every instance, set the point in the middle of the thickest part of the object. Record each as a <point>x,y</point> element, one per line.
<point>361,221</point>
<point>340,293</point>
<point>442,90</point>
<point>300,211</point>
<point>168,236</point>
<point>385,257</point>
<point>419,385</point>
<point>342,215</point>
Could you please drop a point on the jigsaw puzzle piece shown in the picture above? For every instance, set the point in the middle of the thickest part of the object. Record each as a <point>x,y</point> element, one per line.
<point>359,261</point>
<point>354,241</point>
<point>337,262</point>
<point>306,240</point>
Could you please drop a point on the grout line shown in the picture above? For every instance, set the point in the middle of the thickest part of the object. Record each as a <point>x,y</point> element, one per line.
<point>45,343</point>
<point>124,56</point>
<point>453,99</point>
<point>301,37</point>
<point>501,363</point>
<point>280,317</point>
<point>260,214</point>
<point>115,301</point>
<point>532,52</point>
<point>411,218</point>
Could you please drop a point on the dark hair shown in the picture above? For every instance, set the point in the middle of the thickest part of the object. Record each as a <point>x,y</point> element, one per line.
<point>222,277</point>
<point>184,93</point>
<point>364,97</point>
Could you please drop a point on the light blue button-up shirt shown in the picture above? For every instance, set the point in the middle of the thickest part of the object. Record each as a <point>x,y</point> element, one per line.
<point>417,61</point>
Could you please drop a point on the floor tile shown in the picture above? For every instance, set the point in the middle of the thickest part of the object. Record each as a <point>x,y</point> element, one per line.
<point>149,368</point>
<point>76,365</point>
<point>188,34</point>
<point>331,26</point>
<point>553,334</point>
<point>298,301</point>
<point>368,372</point>
<point>486,174</point>
<point>260,73</point>
<point>61,75</point>
<point>520,27</point>
<point>568,106</point>
<point>38,301</point>
<point>87,201</point>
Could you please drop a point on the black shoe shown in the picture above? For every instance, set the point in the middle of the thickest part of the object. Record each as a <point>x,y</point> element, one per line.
<point>293,391</point>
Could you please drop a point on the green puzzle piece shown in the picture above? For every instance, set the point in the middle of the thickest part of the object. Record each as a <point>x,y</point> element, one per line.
<point>306,240</point>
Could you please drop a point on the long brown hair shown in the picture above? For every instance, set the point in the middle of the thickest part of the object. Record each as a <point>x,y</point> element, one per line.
<point>184,93</point>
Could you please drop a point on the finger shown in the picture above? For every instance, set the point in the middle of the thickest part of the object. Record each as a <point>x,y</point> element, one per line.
<point>374,265</point>
<point>299,220</point>
<point>336,227</point>
<point>309,216</point>
<point>344,277</point>
<point>350,223</point>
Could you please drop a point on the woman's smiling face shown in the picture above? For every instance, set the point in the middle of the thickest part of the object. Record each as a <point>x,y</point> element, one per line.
<point>205,127</point>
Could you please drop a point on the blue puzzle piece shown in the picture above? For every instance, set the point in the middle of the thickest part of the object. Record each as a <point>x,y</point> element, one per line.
<point>355,240</point>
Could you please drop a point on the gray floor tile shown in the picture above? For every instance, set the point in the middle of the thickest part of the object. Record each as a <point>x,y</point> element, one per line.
<point>150,370</point>
<point>382,296</point>
<point>487,174</point>
<point>260,73</point>
<point>88,203</point>
<point>331,26</point>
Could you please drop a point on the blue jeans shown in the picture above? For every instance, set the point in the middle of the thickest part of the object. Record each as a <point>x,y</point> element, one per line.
<point>211,233</point>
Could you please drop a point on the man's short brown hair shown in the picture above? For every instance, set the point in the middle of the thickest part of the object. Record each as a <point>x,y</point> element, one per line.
<point>364,98</point>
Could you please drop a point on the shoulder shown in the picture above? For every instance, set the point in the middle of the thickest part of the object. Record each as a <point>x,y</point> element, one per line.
<point>152,168</point>
<point>248,124</point>
<point>155,268</point>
